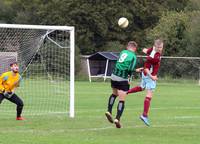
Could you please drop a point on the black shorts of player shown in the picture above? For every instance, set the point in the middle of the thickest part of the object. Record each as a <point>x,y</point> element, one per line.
<point>120,85</point>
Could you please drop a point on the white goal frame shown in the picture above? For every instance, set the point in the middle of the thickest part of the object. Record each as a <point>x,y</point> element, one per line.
<point>71,30</point>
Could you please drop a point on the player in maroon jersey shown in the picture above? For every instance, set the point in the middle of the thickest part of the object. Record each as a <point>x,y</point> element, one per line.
<point>149,76</point>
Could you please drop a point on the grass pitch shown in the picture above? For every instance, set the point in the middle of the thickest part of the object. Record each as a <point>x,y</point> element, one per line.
<point>174,117</point>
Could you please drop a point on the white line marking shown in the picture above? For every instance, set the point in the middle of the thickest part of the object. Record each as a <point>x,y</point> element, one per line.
<point>186,117</point>
<point>8,112</point>
<point>97,128</point>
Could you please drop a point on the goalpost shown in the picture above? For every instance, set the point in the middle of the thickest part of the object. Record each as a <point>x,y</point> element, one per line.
<point>46,58</point>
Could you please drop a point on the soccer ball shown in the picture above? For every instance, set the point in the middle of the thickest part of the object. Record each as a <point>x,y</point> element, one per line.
<point>123,22</point>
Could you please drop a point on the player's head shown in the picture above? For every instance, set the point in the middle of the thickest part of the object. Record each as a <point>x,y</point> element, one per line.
<point>14,67</point>
<point>132,45</point>
<point>158,45</point>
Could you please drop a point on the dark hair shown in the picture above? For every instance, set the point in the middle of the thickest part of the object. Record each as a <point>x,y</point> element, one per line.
<point>11,64</point>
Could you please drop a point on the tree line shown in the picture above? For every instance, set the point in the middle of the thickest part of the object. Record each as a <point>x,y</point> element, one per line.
<point>95,21</point>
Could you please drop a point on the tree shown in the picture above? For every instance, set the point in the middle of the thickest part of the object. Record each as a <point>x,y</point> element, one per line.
<point>177,5</point>
<point>172,27</point>
<point>96,20</point>
<point>6,12</point>
<point>194,35</point>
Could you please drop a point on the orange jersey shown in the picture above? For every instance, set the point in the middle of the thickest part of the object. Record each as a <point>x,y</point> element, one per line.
<point>9,81</point>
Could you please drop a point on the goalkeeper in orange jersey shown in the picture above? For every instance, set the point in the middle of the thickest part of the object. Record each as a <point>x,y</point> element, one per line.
<point>9,81</point>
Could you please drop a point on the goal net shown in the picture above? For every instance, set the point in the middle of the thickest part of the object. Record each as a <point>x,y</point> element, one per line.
<point>45,55</point>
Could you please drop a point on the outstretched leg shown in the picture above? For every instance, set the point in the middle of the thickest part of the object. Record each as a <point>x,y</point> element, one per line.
<point>135,89</point>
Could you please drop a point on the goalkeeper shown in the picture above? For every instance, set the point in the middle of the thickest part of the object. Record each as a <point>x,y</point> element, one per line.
<point>9,81</point>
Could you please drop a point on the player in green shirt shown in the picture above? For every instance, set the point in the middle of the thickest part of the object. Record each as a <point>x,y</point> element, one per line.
<point>124,69</point>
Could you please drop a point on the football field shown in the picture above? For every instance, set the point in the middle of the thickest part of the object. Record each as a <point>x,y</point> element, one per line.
<point>174,118</point>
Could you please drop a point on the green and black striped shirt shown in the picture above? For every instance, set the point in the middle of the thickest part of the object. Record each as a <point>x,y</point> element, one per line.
<point>125,65</point>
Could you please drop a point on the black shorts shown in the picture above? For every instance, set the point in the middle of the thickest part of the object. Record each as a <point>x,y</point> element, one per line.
<point>120,85</point>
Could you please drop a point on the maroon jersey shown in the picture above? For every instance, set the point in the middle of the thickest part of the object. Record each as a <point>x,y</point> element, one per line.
<point>152,61</point>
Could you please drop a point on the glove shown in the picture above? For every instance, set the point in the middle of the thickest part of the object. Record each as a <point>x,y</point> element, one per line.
<point>8,94</point>
<point>2,90</point>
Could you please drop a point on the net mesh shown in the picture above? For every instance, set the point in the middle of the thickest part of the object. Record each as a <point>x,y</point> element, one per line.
<point>44,60</point>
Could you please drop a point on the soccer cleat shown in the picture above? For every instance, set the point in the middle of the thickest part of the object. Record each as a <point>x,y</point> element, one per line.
<point>109,117</point>
<point>20,118</point>
<point>117,123</point>
<point>145,120</point>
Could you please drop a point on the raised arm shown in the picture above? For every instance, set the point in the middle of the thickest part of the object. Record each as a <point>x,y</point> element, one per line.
<point>147,50</point>
<point>139,70</point>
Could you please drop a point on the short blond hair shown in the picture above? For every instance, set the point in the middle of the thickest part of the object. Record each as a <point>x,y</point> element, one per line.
<point>132,44</point>
<point>158,42</point>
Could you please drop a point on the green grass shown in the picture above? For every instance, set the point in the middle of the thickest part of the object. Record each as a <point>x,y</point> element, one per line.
<point>174,116</point>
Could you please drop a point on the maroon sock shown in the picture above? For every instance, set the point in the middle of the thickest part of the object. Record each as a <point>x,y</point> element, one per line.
<point>147,102</point>
<point>135,89</point>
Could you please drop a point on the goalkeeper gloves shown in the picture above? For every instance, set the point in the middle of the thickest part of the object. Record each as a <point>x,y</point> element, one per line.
<point>2,90</point>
